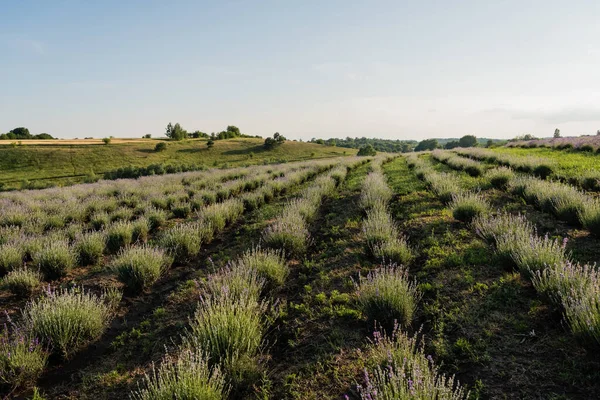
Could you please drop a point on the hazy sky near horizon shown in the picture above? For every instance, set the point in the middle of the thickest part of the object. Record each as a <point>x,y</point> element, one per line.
<point>389,69</point>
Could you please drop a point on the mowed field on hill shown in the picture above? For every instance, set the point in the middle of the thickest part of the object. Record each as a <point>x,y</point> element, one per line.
<point>65,162</point>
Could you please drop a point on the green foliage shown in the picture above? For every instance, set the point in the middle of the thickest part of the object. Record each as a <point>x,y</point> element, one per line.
<point>387,295</point>
<point>499,177</point>
<point>139,267</point>
<point>160,146</point>
<point>106,140</point>
<point>210,143</point>
<point>119,235</point>
<point>367,150</point>
<point>22,359</point>
<point>427,144</point>
<point>270,264</point>
<point>22,282</point>
<point>181,241</point>
<point>176,132</point>
<point>276,140</point>
<point>55,259</point>
<point>11,257</point>
<point>467,141</point>
<point>230,329</point>
<point>65,320</point>
<point>187,375</point>
<point>90,247</point>
<point>466,206</point>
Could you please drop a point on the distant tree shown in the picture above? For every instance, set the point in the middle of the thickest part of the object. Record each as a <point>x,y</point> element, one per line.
<point>160,146</point>
<point>427,144</point>
<point>233,129</point>
<point>467,141</point>
<point>276,140</point>
<point>320,141</point>
<point>367,150</point>
<point>21,133</point>
<point>557,133</point>
<point>198,134</point>
<point>147,136</point>
<point>452,144</point>
<point>43,136</point>
<point>210,143</point>
<point>405,148</point>
<point>598,132</point>
<point>176,132</point>
<point>106,140</point>
<point>490,143</point>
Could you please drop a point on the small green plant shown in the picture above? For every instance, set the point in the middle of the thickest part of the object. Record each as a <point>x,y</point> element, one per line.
<point>139,267</point>
<point>395,250</point>
<point>119,235</point>
<point>288,233</point>
<point>499,177</point>
<point>466,206</point>
<point>22,282</point>
<point>187,375</point>
<point>270,264</point>
<point>160,146</point>
<point>90,247</point>
<point>22,358</point>
<point>67,319</point>
<point>230,329</point>
<point>237,280</point>
<point>387,295</point>
<point>181,241</point>
<point>11,257</point>
<point>106,141</point>
<point>55,259</point>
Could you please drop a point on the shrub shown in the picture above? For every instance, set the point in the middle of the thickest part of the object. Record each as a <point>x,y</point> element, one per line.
<point>533,254</point>
<point>443,185</point>
<point>589,217</point>
<point>237,280</point>
<point>186,376</point>
<point>220,214</point>
<point>181,210</point>
<point>378,227</point>
<point>67,319</point>
<point>121,214</point>
<point>289,234</point>
<point>230,329</point>
<point>367,150</point>
<point>543,171</point>
<point>490,228</point>
<point>161,146</point>
<point>582,308</point>
<point>387,295</point>
<point>466,206</point>
<point>182,241</point>
<point>90,247</point>
<point>374,191</point>
<point>11,257</point>
<point>395,250</point>
<point>22,359</point>
<point>403,371</point>
<point>99,220</point>
<point>55,259</point>
<point>586,148</point>
<point>270,264</point>
<point>140,229</point>
<point>156,217</point>
<point>139,267</point>
<point>119,235</point>
<point>499,177</point>
<point>22,282</point>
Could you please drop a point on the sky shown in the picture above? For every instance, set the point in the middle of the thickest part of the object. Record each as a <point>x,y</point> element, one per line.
<point>311,68</point>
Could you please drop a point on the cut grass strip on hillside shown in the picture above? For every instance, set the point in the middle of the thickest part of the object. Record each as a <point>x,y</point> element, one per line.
<point>67,164</point>
<point>482,320</point>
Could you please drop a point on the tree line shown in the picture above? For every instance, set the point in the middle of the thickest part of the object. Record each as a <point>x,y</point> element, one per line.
<point>22,133</point>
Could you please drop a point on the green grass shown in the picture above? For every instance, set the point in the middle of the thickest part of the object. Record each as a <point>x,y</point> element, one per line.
<point>63,164</point>
<point>567,164</point>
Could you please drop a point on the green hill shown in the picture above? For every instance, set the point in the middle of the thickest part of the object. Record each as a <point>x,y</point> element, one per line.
<point>67,163</point>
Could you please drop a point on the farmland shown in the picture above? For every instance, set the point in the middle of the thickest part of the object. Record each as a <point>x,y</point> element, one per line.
<point>60,162</point>
<point>457,274</point>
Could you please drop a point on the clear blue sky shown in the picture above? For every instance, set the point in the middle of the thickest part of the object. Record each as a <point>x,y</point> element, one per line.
<point>392,69</point>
